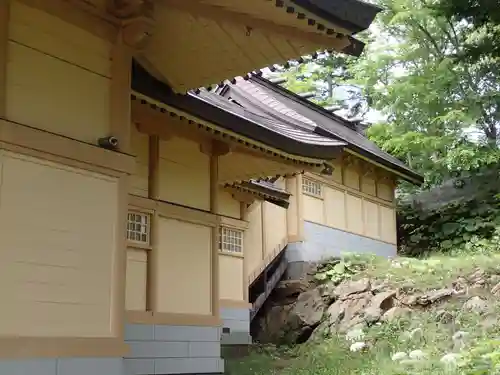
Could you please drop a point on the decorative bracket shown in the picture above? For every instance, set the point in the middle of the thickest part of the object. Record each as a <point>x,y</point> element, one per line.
<point>215,148</point>
<point>137,31</point>
<point>137,20</point>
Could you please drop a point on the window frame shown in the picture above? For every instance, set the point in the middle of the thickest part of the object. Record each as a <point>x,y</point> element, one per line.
<point>309,182</point>
<point>220,240</point>
<point>148,224</point>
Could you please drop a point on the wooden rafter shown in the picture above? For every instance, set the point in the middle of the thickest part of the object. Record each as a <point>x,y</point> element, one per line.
<point>225,15</point>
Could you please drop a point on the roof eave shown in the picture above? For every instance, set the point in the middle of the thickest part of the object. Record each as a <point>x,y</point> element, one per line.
<point>349,21</point>
<point>406,174</point>
<point>147,85</point>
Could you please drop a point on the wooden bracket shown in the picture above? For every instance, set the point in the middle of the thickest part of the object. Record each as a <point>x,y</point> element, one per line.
<point>137,31</point>
<point>136,20</point>
<point>125,9</point>
<point>369,171</point>
<point>241,196</point>
<point>215,148</point>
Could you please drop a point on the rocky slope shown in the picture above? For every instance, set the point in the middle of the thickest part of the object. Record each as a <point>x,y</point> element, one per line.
<point>345,299</point>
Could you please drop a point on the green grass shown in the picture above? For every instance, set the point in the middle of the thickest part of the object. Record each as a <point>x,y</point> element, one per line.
<point>332,356</point>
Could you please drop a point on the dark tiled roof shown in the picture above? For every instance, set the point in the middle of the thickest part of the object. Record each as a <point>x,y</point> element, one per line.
<point>211,107</point>
<point>265,190</point>
<point>268,99</point>
<point>353,15</point>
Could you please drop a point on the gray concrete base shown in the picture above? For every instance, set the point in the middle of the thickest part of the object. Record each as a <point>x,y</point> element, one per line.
<point>63,366</point>
<point>161,349</point>
<point>236,326</point>
<point>322,242</point>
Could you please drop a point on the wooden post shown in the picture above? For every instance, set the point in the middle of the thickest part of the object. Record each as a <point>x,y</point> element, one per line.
<point>120,115</point>
<point>263,228</point>
<point>244,216</point>
<point>215,150</point>
<point>214,208</point>
<point>300,207</point>
<point>153,193</point>
<point>4,45</point>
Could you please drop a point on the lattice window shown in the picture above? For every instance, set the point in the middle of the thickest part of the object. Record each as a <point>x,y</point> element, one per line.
<point>138,227</point>
<point>311,187</point>
<point>230,240</point>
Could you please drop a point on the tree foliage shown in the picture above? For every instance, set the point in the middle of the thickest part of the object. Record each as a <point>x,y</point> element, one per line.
<point>439,101</point>
<point>431,72</point>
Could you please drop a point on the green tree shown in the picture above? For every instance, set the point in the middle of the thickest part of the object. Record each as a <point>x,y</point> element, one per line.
<point>483,20</point>
<point>442,110</point>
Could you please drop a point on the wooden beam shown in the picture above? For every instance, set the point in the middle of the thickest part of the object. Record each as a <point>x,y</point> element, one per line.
<point>224,15</point>
<point>153,122</point>
<point>4,46</point>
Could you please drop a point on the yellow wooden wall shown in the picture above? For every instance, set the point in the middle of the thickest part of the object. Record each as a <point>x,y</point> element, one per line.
<point>231,280</point>
<point>60,219</point>
<point>58,76</point>
<point>266,236</point>
<point>183,282</point>
<point>354,202</point>
<point>184,174</point>
<point>254,253</point>
<point>56,258</point>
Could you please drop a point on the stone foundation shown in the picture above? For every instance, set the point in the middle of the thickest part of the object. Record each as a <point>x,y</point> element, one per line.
<point>162,349</point>
<point>324,242</point>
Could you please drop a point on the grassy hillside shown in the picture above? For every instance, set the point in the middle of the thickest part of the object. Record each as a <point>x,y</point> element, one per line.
<point>456,335</point>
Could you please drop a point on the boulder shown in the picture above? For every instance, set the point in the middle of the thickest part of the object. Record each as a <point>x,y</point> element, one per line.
<point>384,300</point>
<point>346,313</point>
<point>428,298</point>
<point>289,289</point>
<point>373,314</point>
<point>395,313</point>
<point>439,295</point>
<point>476,304</point>
<point>379,304</point>
<point>273,323</point>
<point>305,315</point>
<point>327,292</point>
<point>443,316</point>
<point>347,288</point>
<point>496,290</point>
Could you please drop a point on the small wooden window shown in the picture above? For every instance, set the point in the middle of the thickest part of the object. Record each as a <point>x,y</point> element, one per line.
<point>230,240</point>
<point>138,227</point>
<point>311,187</point>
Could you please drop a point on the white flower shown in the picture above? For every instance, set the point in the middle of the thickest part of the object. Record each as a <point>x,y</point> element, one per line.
<point>399,356</point>
<point>358,346</point>
<point>417,354</point>
<point>450,360</point>
<point>355,335</point>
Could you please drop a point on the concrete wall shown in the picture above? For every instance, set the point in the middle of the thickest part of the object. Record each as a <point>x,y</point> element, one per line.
<point>236,326</point>
<point>63,366</point>
<point>323,242</point>
<point>164,349</point>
